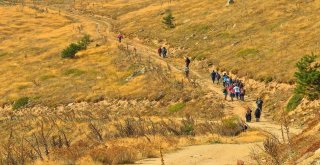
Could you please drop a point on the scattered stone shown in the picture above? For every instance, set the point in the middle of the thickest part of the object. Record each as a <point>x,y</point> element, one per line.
<point>235,43</point>
<point>186,99</point>
<point>160,96</point>
<point>205,37</point>
<point>240,162</point>
<point>229,2</point>
<point>135,74</point>
<point>186,21</point>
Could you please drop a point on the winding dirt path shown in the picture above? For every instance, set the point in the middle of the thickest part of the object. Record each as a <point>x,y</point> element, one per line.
<point>215,154</point>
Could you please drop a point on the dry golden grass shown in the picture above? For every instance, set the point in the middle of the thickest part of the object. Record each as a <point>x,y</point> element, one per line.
<point>98,133</point>
<point>239,38</point>
<point>246,38</point>
<point>32,67</point>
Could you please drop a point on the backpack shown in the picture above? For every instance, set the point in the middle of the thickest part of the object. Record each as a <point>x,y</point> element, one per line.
<point>218,76</point>
<point>225,90</point>
<point>164,50</point>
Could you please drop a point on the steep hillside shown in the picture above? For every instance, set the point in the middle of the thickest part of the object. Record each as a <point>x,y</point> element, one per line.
<point>31,43</point>
<point>246,38</point>
<point>119,102</point>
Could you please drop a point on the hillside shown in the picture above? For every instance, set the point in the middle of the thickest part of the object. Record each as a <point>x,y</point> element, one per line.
<point>119,103</point>
<point>245,38</point>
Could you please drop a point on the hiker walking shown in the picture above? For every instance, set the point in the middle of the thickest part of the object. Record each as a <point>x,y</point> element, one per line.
<point>225,77</point>
<point>237,91</point>
<point>242,93</point>
<point>257,114</point>
<point>259,103</point>
<point>164,52</point>
<point>232,92</point>
<point>225,93</point>
<point>188,61</point>
<point>135,50</point>
<point>160,51</point>
<point>186,71</point>
<point>213,76</point>
<point>248,115</point>
<point>228,81</point>
<point>218,77</point>
<point>120,37</point>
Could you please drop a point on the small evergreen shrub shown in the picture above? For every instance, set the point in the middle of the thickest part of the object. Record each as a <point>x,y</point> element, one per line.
<point>20,103</point>
<point>294,102</point>
<point>73,48</point>
<point>168,20</point>
<point>308,77</point>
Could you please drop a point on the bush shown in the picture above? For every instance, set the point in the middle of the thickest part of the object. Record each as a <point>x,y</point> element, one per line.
<point>20,103</point>
<point>176,107</point>
<point>73,48</point>
<point>294,102</point>
<point>70,51</point>
<point>168,20</point>
<point>308,77</point>
<point>231,126</point>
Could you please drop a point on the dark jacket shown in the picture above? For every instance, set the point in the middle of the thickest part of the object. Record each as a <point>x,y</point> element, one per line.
<point>257,113</point>
<point>248,115</point>
<point>213,75</point>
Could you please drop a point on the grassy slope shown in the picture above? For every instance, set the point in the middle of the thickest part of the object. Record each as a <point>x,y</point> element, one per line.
<point>50,80</point>
<point>246,38</point>
<point>31,65</point>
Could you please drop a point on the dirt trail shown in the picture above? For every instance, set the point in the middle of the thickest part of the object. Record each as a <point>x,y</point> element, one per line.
<point>217,154</point>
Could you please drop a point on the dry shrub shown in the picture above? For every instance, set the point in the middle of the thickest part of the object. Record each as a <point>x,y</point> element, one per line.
<point>231,126</point>
<point>271,152</point>
<point>272,148</point>
<point>114,155</point>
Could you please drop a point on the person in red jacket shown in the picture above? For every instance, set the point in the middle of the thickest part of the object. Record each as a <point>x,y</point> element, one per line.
<point>160,51</point>
<point>120,37</point>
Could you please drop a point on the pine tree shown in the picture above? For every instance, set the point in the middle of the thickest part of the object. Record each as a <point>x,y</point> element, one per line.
<point>168,20</point>
<point>308,77</point>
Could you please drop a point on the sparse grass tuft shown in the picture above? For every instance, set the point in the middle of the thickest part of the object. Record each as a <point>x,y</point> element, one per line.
<point>20,103</point>
<point>73,72</point>
<point>248,52</point>
<point>47,77</point>
<point>176,107</point>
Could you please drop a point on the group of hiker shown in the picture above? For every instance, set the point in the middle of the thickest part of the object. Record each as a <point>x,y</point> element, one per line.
<point>235,89</point>
<point>162,51</point>
<point>257,112</point>
<point>231,87</point>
